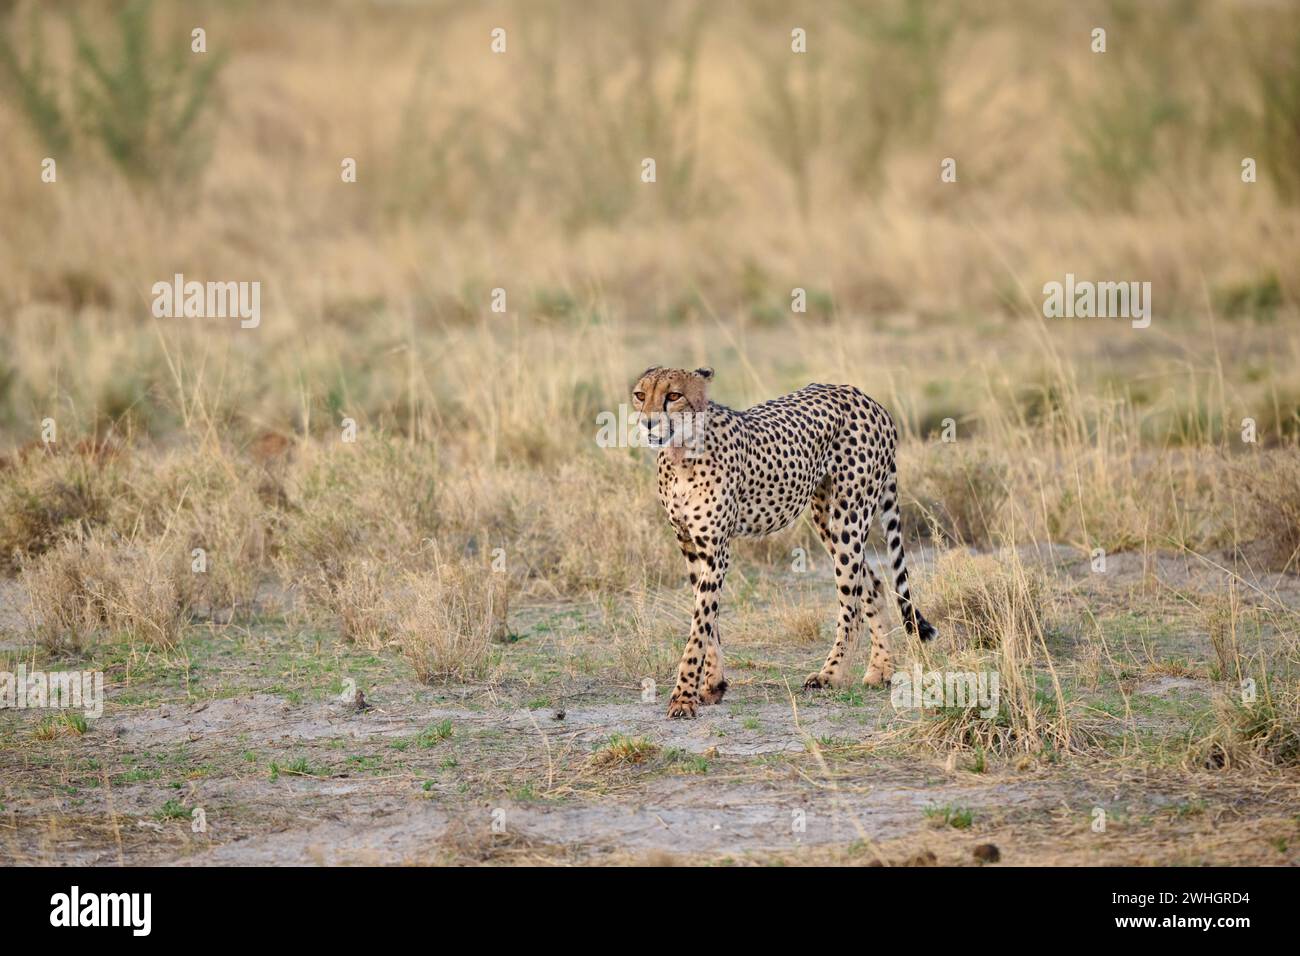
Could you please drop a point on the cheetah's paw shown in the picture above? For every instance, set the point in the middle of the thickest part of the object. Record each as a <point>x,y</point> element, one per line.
<point>878,676</point>
<point>681,709</point>
<point>713,695</point>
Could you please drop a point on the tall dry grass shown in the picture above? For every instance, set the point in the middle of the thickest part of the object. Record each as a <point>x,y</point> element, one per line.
<point>994,615</point>
<point>337,522</point>
<point>85,590</point>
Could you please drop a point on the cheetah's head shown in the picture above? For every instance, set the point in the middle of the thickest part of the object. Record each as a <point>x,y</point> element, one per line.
<point>667,400</point>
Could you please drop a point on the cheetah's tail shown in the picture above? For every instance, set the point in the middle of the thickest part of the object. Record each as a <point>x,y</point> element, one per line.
<point>891,521</point>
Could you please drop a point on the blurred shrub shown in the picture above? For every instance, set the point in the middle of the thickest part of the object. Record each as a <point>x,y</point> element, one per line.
<point>142,107</point>
<point>30,84</point>
<point>1120,129</point>
<point>582,126</point>
<point>788,117</point>
<point>896,97</point>
<point>1259,298</point>
<point>591,145</point>
<point>1277,77</point>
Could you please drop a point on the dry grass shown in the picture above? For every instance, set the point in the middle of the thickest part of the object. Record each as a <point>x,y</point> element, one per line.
<point>45,496</point>
<point>622,751</point>
<point>1271,491</point>
<point>358,598</point>
<point>469,160</point>
<point>988,598</point>
<point>997,604</point>
<point>800,624</point>
<point>1222,618</point>
<point>1254,734</point>
<point>643,635</point>
<point>85,588</point>
<point>520,172</point>
<point>445,622</point>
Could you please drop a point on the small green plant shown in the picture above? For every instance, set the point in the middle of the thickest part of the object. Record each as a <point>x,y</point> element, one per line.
<point>67,724</point>
<point>1257,298</point>
<point>298,767</point>
<point>1136,122</point>
<point>612,126</point>
<point>302,767</point>
<point>76,723</point>
<point>1117,148</point>
<point>173,809</point>
<point>959,818</point>
<point>692,763</point>
<point>624,751</point>
<point>851,696</point>
<point>434,734</point>
<point>136,775</point>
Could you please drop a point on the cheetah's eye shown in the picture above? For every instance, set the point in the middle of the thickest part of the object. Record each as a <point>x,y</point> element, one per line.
<point>639,396</point>
<point>673,396</point>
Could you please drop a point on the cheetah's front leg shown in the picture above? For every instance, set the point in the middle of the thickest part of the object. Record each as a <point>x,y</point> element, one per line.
<point>691,689</point>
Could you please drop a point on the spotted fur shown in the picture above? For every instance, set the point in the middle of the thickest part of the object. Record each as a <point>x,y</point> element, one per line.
<point>725,473</point>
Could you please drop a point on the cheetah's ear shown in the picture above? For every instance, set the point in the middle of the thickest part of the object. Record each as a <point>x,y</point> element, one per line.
<point>704,373</point>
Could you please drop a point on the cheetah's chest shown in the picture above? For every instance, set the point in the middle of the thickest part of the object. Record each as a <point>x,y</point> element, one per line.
<point>689,494</point>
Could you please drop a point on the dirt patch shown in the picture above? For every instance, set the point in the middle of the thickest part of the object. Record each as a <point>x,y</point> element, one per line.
<point>669,815</point>
<point>1173,686</point>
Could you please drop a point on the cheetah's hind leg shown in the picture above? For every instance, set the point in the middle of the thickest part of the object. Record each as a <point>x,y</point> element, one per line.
<point>842,520</point>
<point>880,668</point>
<point>712,684</point>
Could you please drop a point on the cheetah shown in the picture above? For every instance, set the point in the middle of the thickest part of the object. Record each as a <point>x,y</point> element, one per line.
<point>725,473</point>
